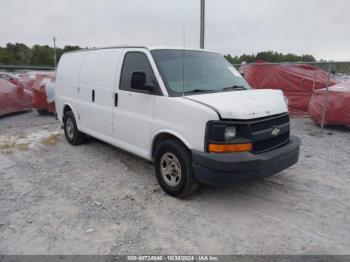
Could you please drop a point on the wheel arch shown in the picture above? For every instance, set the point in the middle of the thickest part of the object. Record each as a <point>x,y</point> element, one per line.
<point>163,135</point>
<point>67,107</point>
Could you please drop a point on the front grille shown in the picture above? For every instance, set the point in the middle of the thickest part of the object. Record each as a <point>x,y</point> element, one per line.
<point>267,123</point>
<point>269,144</point>
<point>265,133</point>
<point>262,133</point>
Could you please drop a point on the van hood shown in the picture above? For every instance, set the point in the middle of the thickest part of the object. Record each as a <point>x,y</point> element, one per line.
<point>244,104</point>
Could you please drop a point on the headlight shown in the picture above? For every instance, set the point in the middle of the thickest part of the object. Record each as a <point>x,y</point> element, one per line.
<point>227,136</point>
<point>230,133</point>
<point>286,100</point>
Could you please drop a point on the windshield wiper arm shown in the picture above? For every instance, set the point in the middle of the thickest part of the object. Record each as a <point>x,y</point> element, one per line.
<point>234,87</point>
<point>199,91</point>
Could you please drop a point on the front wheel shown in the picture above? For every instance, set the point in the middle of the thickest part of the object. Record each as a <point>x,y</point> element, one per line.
<point>173,165</point>
<point>73,135</point>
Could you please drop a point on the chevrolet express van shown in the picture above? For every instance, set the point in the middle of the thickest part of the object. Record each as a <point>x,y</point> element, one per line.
<point>188,111</point>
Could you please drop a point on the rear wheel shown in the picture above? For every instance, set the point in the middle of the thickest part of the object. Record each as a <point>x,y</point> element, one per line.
<point>73,135</point>
<point>173,164</point>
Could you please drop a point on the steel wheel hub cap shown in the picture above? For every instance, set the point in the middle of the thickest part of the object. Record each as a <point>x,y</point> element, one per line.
<point>170,169</point>
<point>70,128</point>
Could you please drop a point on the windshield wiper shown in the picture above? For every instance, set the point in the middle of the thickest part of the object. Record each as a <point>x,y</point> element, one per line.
<point>234,87</point>
<point>199,91</point>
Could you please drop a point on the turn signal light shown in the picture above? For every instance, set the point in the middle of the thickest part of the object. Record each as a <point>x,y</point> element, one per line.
<point>228,148</point>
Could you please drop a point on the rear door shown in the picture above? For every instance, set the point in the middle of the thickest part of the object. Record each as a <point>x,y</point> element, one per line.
<point>134,109</point>
<point>96,91</point>
<point>67,81</point>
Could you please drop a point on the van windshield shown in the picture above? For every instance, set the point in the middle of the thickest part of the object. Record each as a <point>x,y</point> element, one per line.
<point>188,72</point>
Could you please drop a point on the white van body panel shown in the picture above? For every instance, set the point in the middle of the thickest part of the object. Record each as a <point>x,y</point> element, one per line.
<point>133,117</point>
<point>183,118</point>
<point>245,104</point>
<point>99,74</point>
<point>139,118</point>
<point>66,83</point>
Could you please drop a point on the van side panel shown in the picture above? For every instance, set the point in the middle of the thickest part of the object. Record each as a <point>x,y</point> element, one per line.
<point>102,68</point>
<point>96,96</point>
<point>183,118</point>
<point>99,71</point>
<point>86,85</point>
<point>133,116</point>
<point>66,84</point>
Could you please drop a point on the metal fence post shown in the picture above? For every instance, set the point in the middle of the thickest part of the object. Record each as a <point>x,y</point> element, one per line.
<point>325,99</point>
<point>314,82</point>
<point>54,52</point>
<point>202,24</point>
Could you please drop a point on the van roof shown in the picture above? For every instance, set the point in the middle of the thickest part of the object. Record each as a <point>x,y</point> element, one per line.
<point>145,47</point>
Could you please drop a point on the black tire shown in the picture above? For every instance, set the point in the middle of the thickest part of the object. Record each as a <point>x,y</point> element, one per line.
<point>43,112</point>
<point>187,184</point>
<point>73,136</point>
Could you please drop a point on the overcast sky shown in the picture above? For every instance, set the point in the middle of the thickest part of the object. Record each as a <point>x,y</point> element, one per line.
<point>318,27</point>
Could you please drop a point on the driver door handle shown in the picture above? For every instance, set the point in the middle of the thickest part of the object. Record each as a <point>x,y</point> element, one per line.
<point>116,99</point>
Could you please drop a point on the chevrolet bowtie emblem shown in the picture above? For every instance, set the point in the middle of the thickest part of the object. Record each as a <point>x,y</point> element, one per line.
<point>275,131</point>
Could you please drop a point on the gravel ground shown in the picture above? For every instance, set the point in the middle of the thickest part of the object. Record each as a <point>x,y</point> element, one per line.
<point>96,199</point>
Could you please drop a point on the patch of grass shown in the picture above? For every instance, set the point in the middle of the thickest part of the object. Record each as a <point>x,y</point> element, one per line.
<point>8,151</point>
<point>51,140</point>
<point>23,146</point>
<point>7,146</point>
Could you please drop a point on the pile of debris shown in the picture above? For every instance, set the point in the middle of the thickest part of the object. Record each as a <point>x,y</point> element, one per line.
<point>333,105</point>
<point>32,90</point>
<point>305,86</point>
<point>297,81</point>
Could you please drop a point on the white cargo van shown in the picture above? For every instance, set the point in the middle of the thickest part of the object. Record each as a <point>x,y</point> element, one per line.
<point>188,111</point>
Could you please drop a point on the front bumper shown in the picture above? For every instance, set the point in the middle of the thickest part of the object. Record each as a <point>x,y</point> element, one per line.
<point>229,168</point>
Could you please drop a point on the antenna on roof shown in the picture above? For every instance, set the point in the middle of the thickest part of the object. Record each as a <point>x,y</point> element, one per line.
<point>183,59</point>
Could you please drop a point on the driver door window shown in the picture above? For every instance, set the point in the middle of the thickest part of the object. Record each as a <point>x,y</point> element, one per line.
<point>136,62</point>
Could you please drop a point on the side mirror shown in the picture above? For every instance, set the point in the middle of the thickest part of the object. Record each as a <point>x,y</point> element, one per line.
<point>138,81</point>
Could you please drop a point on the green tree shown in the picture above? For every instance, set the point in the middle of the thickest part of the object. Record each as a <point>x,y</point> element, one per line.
<point>270,56</point>
<point>38,55</point>
<point>42,55</point>
<point>15,54</point>
<point>67,48</point>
